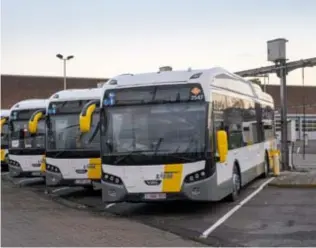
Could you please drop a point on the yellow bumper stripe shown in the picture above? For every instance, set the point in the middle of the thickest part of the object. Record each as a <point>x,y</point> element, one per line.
<point>2,154</point>
<point>43,165</point>
<point>94,168</point>
<point>173,178</point>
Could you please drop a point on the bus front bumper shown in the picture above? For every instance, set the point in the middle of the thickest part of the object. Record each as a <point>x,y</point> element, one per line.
<point>15,171</point>
<point>54,179</point>
<point>4,166</point>
<point>203,190</point>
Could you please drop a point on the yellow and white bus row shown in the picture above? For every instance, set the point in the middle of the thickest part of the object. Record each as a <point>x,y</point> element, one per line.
<point>168,135</point>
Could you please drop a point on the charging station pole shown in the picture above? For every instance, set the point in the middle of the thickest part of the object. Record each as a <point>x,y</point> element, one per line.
<point>277,54</point>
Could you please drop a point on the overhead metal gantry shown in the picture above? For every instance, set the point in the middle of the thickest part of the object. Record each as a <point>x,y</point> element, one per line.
<point>276,54</point>
<point>275,68</point>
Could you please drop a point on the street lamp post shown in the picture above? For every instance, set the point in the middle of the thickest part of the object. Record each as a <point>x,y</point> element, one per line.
<point>64,59</point>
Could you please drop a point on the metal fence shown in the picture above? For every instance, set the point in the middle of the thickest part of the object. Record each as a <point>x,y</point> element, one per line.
<point>303,156</point>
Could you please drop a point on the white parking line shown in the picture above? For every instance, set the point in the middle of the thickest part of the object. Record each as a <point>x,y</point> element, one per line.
<point>298,150</point>
<point>109,205</point>
<point>208,231</point>
<point>59,189</point>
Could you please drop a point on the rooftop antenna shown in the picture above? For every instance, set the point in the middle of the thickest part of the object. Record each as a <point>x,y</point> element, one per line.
<point>165,68</point>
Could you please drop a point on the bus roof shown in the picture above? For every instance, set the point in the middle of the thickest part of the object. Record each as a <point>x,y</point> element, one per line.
<point>266,97</point>
<point>77,94</point>
<point>263,96</point>
<point>5,113</point>
<point>30,104</point>
<point>217,77</point>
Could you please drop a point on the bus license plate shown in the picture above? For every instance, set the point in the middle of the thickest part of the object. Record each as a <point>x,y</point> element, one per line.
<point>36,173</point>
<point>82,181</point>
<point>155,196</point>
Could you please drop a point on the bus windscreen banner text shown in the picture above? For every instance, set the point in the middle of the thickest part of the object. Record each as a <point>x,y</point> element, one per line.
<point>66,107</point>
<point>154,94</point>
<point>23,114</point>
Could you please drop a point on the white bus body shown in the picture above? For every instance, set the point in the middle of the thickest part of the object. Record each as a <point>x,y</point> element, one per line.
<point>25,149</point>
<point>5,113</point>
<point>71,157</point>
<point>160,138</point>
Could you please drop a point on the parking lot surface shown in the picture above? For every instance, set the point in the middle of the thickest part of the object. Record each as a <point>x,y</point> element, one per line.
<point>273,217</point>
<point>277,217</point>
<point>30,220</point>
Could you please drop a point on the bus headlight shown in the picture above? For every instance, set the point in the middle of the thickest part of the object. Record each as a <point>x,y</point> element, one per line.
<point>52,168</point>
<point>195,176</point>
<point>112,179</point>
<point>13,163</point>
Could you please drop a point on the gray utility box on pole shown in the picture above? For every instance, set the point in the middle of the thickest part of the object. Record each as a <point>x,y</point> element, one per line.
<point>276,50</point>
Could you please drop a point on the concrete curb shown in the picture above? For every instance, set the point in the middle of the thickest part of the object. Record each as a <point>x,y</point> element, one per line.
<point>293,186</point>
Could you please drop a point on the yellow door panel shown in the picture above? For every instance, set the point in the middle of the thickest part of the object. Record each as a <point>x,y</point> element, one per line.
<point>94,168</point>
<point>172,178</point>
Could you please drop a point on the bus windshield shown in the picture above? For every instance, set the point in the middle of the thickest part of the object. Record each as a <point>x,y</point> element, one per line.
<point>63,133</point>
<point>22,139</point>
<point>5,136</point>
<point>153,131</point>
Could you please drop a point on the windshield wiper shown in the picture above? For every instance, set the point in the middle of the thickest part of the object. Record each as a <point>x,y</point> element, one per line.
<point>182,157</point>
<point>122,157</point>
<point>158,145</point>
<point>59,153</point>
<point>94,133</point>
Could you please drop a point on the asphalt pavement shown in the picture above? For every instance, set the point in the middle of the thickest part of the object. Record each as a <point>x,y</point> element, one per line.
<point>29,219</point>
<point>271,217</point>
<point>276,217</point>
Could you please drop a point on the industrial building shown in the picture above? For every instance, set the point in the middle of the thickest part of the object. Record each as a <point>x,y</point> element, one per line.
<point>301,99</point>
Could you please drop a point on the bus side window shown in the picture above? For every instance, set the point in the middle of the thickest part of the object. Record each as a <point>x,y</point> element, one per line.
<point>268,119</point>
<point>233,122</point>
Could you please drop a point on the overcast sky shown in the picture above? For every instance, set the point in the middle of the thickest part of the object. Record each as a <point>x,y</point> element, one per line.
<point>110,37</point>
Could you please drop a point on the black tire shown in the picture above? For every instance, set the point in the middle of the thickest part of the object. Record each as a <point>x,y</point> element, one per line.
<point>266,166</point>
<point>236,184</point>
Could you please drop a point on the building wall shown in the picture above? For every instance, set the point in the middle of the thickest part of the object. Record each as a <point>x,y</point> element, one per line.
<point>296,96</point>
<point>15,88</point>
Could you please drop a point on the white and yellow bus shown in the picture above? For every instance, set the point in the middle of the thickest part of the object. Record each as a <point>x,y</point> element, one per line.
<point>73,151</point>
<point>27,137</point>
<point>174,135</point>
<point>4,129</point>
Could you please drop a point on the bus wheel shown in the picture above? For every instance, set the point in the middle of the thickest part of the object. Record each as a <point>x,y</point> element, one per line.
<point>236,184</point>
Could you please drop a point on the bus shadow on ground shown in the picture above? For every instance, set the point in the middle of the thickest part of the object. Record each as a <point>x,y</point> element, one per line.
<point>93,200</point>
<point>23,181</point>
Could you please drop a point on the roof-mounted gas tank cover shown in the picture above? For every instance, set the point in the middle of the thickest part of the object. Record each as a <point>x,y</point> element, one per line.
<point>165,68</point>
<point>112,82</point>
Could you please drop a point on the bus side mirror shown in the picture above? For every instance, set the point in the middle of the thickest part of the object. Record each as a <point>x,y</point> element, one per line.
<point>85,119</point>
<point>33,122</point>
<point>222,145</point>
<point>3,121</point>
